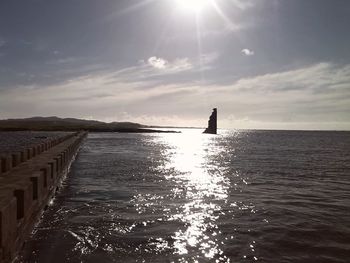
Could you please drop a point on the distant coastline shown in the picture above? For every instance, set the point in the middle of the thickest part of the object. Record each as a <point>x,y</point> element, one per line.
<point>71,124</point>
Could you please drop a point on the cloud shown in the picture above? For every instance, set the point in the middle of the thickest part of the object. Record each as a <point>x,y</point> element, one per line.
<point>159,70</point>
<point>317,78</point>
<point>317,93</point>
<point>247,52</point>
<point>314,96</point>
<point>158,63</point>
<point>179,64</point>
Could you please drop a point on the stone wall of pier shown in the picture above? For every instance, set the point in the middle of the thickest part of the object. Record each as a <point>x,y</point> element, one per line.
<point>28,180</point>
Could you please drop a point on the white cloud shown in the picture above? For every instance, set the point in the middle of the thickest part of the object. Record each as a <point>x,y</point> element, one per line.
<point>158,63</point>
<point>247,52</point>
<point>155,67</point>
<point>179,64</point>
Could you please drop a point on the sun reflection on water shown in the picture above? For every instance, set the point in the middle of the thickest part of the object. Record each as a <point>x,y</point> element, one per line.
<point>204,189</point>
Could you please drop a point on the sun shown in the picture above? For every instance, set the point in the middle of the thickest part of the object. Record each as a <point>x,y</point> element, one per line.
<point>192,5</point>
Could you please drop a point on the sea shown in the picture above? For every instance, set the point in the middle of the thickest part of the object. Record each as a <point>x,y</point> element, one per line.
<point>239,196</point>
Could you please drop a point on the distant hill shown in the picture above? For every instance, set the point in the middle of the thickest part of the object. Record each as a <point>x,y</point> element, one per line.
<point>70,124</point>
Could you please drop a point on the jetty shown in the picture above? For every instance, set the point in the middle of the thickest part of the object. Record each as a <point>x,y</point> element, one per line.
<point>28,181</point>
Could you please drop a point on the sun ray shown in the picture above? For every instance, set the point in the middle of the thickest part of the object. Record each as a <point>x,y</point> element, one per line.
<point>229,24</point>
<point>135,7</point>
<point>127,10</point>
<point>163,33</point>
<point>199,46</point>
<point>192,5</point>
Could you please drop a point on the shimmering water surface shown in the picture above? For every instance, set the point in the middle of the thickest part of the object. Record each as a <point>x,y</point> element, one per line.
<point>244,196</point>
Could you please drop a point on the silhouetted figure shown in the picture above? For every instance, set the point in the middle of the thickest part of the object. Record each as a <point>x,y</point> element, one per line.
<point>212,123</point>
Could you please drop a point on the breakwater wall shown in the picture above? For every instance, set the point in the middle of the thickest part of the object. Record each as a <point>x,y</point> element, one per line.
<point>28,180</point>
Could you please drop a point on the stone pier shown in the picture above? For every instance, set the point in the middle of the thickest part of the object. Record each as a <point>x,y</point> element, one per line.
<point>28,180</point>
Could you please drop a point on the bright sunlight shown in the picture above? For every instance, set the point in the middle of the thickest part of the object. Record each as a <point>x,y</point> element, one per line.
<point>193,5</point>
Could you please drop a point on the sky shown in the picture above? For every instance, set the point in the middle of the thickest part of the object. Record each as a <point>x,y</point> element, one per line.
<point>265,64</point>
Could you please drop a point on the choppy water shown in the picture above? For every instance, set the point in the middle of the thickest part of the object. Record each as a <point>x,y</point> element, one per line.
<point>16,141</point>
<point>247,196</point>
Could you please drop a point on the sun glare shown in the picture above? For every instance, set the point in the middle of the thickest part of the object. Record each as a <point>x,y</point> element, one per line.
<point>192,5</point>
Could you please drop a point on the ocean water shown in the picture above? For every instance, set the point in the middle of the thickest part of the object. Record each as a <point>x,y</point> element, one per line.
<point>16,141</point>
<point>241,196</point>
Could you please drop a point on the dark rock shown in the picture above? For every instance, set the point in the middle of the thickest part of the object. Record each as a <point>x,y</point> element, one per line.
<point>212,123</point>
